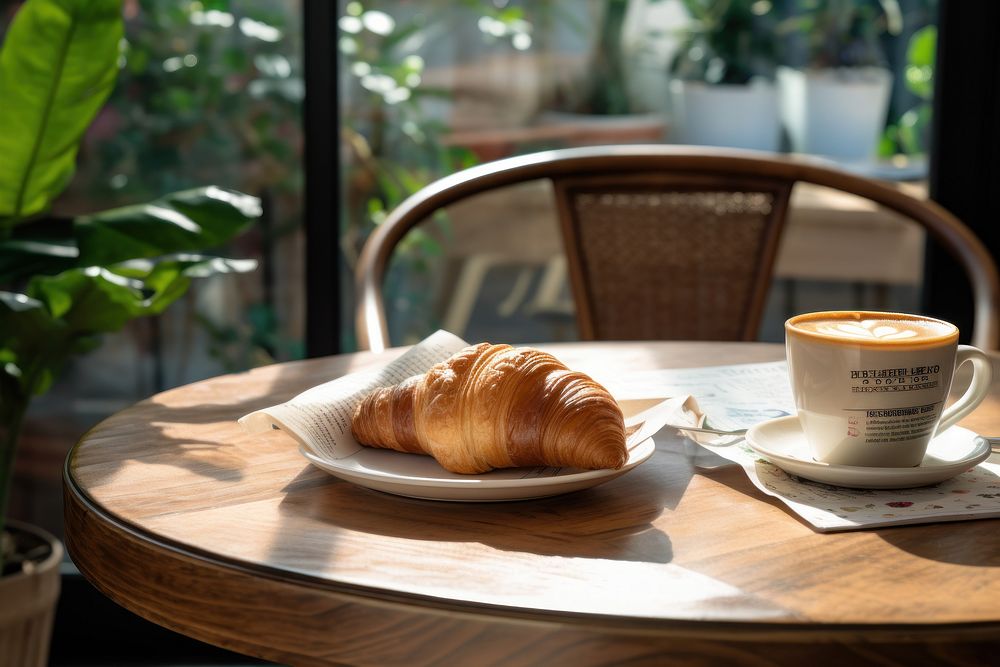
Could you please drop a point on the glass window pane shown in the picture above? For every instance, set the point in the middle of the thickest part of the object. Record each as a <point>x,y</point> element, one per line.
<point>207,94</point>
<point>427,93</point>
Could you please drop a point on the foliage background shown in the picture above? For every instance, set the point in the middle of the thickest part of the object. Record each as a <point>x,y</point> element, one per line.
<point>208,92</point>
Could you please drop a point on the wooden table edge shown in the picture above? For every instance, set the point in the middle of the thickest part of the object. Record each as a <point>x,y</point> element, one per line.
<point>132,567</point>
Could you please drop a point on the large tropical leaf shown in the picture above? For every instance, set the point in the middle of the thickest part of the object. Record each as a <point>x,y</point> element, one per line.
<point>65,314</point>
<point>92,300</point>
<point>24,257</point>
<point>188,221</point>
<point>183,222</point>
<point>20,317</point>
<point>58,64</point>
<point>33,346</point>
<point>167,278</point>
<point>96,300</point>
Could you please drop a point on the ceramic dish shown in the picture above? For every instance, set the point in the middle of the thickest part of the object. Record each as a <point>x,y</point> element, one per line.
<point>782,442</point>
<point>417,476</point>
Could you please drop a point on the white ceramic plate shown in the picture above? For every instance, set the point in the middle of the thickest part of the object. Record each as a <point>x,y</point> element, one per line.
<point>782,442</point>
<point>417,476</point>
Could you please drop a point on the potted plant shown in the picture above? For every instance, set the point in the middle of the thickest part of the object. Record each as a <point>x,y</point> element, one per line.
<point>721,87</point>
<point>64,282</point>
<point>836,104</point>
<point>594,98</point>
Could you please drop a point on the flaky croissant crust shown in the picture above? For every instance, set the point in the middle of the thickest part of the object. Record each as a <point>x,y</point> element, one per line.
<point>495,406</point>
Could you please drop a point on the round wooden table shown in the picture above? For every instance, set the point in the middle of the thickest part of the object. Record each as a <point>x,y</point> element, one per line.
<point>234,539</point>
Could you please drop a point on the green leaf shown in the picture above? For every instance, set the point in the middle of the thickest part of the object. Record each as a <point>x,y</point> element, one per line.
<point>913,129</point>
<point>11,302</point>
<point>91,300</point>
<point>922,46</point>
<point>57,66</point>
<point>63,315</point>
<point>23,258</point>
<point>33,344</point>
<point>920,57</point>
<point>887,142</point>
<point>187,221</point>
<point>96,300</point>
<point>43,245</point>
<point>168,278</point>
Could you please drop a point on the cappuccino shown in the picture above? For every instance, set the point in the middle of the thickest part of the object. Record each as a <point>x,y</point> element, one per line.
<point>871,388</point>
<point>874,328</point>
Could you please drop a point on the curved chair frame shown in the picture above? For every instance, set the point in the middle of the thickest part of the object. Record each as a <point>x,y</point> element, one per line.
<point>942,226</point>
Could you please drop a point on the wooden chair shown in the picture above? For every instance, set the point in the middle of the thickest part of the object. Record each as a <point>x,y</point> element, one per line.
<point>668,242</point>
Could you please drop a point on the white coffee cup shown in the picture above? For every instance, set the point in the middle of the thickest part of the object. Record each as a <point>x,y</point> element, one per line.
<point>871,387</point>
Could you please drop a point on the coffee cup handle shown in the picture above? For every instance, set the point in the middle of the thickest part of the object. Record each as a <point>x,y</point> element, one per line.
<point>982,377</point>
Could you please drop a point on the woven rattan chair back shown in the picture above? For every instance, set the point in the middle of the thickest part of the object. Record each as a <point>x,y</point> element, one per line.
<point>668,242</point>
<point>673,256</point>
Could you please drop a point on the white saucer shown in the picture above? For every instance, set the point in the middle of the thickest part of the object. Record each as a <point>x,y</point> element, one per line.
<point>417,476</point>
<point>782,442</point>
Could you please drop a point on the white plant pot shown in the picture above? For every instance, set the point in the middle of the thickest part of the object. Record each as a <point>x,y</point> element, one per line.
<point>28,604</point>
<point>725,115</point>
<point>837,113</point>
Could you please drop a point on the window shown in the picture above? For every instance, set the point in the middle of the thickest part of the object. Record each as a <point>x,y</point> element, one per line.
<point>426,92</point>
<point>208,93</point>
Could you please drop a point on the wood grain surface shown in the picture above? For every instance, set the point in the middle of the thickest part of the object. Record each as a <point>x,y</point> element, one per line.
<point>178,515</point>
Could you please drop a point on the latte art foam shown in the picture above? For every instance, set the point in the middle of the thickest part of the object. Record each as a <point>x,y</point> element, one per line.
<point>876,330</point>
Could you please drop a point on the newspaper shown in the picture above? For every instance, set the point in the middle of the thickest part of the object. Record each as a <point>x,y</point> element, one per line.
<point>320,418</point>
<point>731,397</point>
<point>739,396</point>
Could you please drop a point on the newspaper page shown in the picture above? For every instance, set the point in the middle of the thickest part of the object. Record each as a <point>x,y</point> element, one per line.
<point>732,397</point>
<point>738,396</point>
<point>320,418</point>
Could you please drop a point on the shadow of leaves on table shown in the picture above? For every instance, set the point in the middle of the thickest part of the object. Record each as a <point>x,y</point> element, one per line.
<point>194,427</point>
<point>149,433</point>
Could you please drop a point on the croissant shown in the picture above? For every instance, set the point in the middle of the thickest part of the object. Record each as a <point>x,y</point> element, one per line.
<point>495,406</point>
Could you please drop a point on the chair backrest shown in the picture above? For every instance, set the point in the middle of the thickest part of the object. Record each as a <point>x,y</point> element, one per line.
<point>668,242</point>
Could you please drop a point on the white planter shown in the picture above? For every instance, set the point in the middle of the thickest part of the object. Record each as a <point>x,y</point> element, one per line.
<point>838,113</point>
<point>725,115</point>
<point>28,603</point>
